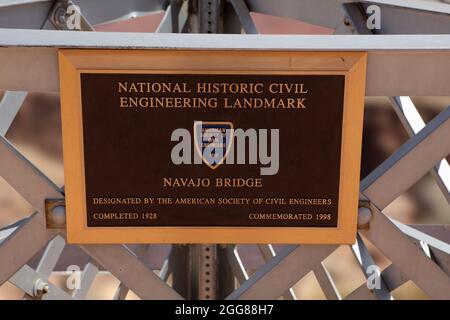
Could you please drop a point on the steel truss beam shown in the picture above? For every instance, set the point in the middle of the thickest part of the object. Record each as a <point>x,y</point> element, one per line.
<point>413,123</point>
<point>32,14</point>
<point>410,162</point>
<point>22,244</point>
<point>397,65</point>
<point>9,107</point>
<point>397,16</point>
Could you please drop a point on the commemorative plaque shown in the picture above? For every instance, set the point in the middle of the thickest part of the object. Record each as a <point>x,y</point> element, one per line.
<point>211,147</point>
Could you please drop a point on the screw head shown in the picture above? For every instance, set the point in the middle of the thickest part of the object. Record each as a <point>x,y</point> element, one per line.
<point>347,21</point>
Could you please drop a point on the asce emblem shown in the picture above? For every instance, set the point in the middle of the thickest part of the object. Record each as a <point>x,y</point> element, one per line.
<point>213,140</point>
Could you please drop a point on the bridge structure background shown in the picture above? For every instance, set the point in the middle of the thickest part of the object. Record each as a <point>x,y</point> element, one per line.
<point>398,67</point>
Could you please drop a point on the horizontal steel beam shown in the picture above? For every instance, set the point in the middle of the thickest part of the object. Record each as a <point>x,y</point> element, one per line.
<point>138,40</point>
<point>397,65</point>
<point>412,122</point>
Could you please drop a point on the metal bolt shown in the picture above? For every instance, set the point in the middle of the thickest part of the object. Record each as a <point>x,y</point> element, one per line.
<point>60,16</point>
<point>40,288</point>
<point>347,21</point>
<point>364,217</point>
<point>59,215</point>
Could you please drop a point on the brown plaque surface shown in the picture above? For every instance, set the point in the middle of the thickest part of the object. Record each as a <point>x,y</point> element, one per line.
<point>289,171</point>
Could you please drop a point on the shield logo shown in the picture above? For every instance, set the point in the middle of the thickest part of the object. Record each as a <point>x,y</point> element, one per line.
<point>213,140</point>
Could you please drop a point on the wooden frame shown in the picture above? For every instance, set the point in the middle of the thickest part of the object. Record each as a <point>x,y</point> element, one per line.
<point>350,64</point>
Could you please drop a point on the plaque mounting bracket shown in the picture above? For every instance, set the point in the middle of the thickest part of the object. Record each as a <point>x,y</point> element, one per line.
<point>365,213</point>
<point>55,213</point>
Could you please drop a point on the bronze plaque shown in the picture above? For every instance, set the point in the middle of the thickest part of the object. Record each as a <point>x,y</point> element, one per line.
<point>195,151</point>
<point>128,122</point>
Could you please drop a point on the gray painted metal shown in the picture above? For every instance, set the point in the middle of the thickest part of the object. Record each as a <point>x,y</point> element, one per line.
<point>396,65</point>
<point>442,259</point>
<point>57,17</point>
<point>165,271</point>
<point>33,14</point>
<point>268,252</point>
<point>22,245</point>
<point>401,20</point>
<point>5,233</point>
<point>422,5</point>
<point>108,11</point>
<point>326,282</point>
<point>24,14</point>
<point>439,232</point>
<point>25,178</point>
<point>413,123</point>
<point>134,274</point>
<point>326,13</point>
<point>405,255</point>
<point>403,106</point>
<point>365,260</point>
<point>9,107</point>
<point>428,238</point>
<point>281,272</point>
<point>361,293</point>
<point>122,290</point>
<point>409,163</point>
<point>166,25</point>
<point>234,259</point>
<point>87,279</point>
<point>210,16</point>
<point>174,12</point>
<point>35,187</point>
<point>329,13</point>
<point>130,40</point>
<point>207,272</point>
<point>357,18</point>
<point>393,277</point>
<point>244,16</point>
<point>26,278</point>
<point>50,257</point>
<point>383,186</point>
